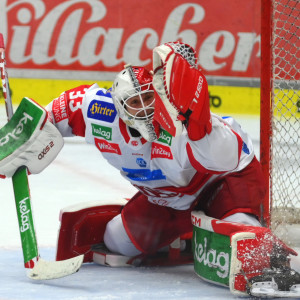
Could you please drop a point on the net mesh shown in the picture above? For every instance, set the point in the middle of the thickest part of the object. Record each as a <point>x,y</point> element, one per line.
<point>285,143</point>
<point>186,51</point>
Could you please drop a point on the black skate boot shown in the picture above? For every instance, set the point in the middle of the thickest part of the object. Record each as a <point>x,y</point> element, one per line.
<point>278,281</point>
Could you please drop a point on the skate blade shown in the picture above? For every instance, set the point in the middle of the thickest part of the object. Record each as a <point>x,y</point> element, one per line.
<point>269,289</point>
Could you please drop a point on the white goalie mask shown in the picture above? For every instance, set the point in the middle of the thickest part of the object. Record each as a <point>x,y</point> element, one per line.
<point>133,96</point>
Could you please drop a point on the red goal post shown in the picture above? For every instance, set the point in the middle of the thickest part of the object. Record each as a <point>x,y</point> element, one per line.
<point>280,110</point>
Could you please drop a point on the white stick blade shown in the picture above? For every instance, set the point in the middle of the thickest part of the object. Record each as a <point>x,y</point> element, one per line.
<point>44,270</point>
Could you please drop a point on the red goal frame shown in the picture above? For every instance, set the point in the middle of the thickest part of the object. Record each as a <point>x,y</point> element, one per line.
<point>265,102</point>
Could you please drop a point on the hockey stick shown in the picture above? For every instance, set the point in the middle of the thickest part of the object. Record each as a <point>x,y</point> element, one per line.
<point>37,268</point>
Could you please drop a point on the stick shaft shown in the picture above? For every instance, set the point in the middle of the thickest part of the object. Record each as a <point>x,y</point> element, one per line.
<point>25,218</point>
<point>5,82</point>
<point>38,268</point>
<point>20,182</point>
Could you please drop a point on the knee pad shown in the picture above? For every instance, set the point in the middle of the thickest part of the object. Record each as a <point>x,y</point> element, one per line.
<point>117,240</point>
<point>82,226</point>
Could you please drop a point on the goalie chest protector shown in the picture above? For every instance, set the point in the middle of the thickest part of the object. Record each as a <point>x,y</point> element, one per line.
<point>162,170</point>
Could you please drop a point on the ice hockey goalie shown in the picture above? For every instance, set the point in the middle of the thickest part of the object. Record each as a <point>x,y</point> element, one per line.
<point>247,259</point>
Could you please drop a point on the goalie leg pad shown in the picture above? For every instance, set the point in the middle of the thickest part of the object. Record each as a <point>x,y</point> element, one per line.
<point>231,254</point>
<point>82,226</point>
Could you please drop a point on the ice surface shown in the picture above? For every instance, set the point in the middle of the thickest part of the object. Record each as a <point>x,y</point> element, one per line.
<point>80,174</point>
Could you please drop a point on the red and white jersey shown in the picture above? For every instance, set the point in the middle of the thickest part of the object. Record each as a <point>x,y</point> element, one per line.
<point>171,171</point>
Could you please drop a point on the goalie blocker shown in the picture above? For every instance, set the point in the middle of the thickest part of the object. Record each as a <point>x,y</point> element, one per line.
<point>28,139</point>
<point>247,259</point>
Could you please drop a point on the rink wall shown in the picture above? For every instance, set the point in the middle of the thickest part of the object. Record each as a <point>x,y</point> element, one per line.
<point>55,45</point>
<point>223,99</point>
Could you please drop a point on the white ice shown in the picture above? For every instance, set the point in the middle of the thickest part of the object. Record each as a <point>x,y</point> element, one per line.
<point>80,174</point>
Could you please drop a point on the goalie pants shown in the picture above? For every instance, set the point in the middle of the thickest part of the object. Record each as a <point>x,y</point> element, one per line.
<point>150,227</point>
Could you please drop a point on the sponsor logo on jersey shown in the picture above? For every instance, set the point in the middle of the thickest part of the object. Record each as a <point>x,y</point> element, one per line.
<point>104,93</point>
<point>160,151</point>
<point>100,110</point>
<point>141,162</point>
<point>144,174</point>
<point>59,108</point>
<point>105,146</point>
<point>137,154</point>
<point>165,137</point>
<point>102,131</point>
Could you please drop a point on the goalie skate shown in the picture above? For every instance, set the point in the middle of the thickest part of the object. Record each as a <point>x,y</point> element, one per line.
<point>275,283</point>
<point>171,257</point>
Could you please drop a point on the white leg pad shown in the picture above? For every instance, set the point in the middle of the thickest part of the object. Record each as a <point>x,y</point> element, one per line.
<point>117,240</point>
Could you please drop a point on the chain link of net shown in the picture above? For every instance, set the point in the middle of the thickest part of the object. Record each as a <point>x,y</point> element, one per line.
<point>285,172</point>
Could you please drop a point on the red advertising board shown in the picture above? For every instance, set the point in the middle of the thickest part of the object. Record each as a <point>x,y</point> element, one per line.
<point>103,35</point>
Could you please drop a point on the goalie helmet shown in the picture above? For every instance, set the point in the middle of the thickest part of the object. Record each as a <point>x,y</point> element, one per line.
<point>133,96</point>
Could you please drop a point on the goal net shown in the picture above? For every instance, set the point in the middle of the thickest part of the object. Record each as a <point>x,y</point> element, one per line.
<point>280,114</point>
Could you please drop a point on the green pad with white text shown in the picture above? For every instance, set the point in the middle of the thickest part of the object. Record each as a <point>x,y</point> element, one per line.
<point>21,127</point>
<point>29,140</point>
<point>212,255</point>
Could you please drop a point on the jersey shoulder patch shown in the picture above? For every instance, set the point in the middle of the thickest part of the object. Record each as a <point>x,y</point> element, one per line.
<point>101,106</point>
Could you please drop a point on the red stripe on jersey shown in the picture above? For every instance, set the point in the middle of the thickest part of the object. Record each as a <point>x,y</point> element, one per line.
<point>195,163</point>
<point>197,182</point>
<point>143,141</point>
<point>124,132</point>
<point>76,121</point>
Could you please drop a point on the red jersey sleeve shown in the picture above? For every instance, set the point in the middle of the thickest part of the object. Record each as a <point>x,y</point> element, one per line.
<point>65,112</point>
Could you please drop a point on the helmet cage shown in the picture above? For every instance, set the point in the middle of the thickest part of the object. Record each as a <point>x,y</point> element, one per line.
<point>139,113</point>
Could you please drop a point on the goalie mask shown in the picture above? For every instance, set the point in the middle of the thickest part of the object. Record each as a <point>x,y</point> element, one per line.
<point>133,96</point>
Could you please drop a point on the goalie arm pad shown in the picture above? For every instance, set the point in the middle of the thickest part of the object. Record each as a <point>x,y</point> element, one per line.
<point>232,253</point>
<point>28,139</point>
<point>181,91</point>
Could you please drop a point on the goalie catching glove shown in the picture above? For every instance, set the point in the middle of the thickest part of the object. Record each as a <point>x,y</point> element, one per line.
<point>181,92</point>
<point>28,139</point>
